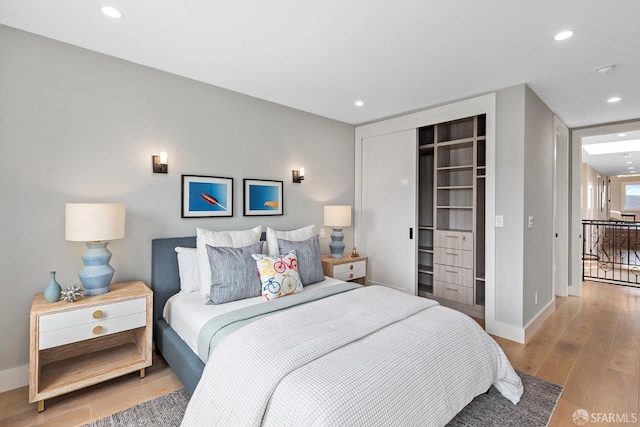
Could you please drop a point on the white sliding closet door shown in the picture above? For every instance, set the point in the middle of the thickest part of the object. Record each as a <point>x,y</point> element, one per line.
<point>389,209</point>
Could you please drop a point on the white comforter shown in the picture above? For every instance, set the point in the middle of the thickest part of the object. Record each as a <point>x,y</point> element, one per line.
<point>372,356</point>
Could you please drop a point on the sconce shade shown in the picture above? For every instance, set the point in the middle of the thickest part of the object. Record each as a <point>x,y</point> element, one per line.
<point>337,216</point>
<point>94,222</point>
<point>160,163</point>
<point>298,175</point>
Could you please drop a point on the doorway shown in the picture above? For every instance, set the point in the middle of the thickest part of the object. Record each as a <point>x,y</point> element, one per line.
<point>577,236</point>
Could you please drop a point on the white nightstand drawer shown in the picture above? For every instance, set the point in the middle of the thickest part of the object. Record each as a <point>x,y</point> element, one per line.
<point>57,337</point>
<point>456,275</point>
<point>350,275</point>
<point>453,292</point>
<point>454,257</point>
<point>52,322</point>
<point>454,240</point>
<point>349,267</point>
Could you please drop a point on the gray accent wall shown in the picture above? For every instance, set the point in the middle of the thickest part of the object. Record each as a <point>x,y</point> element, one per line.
<point>539,134</point>
<point>524,187</point>
<point>79,126</point>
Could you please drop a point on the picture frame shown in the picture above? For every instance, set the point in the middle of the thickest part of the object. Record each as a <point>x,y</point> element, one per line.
<point>206,196</point>
<point>262,197</point>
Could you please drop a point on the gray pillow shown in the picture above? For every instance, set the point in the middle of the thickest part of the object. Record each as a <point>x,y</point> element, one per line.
<point>234,274</point>
<point>309,261</point>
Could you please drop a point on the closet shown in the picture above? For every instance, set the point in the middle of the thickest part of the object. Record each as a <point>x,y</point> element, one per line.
<point>451,213</point>
<point>425,191</point>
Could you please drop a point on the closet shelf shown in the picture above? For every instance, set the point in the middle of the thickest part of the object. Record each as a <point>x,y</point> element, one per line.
<point>456,167</point>
<point>455,187</point>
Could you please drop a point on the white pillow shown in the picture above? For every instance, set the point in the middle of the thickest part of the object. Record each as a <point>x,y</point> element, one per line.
<point>188,269</point>
<point>298,235</point>
<point>231,239</point>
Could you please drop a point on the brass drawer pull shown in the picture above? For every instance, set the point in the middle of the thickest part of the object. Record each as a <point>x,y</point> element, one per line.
<point>449,253</point>
<point>98,330</point>
<point>351,267</point>
<point>454,290</point>
<point>452,272</point>
<point>98,314</point>
<point>351,276</point>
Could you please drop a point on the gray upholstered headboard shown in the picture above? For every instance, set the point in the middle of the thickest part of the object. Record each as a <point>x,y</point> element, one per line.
<point>165,279</point>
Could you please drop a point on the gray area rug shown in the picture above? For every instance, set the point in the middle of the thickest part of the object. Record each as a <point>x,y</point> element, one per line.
<point>490,409</point>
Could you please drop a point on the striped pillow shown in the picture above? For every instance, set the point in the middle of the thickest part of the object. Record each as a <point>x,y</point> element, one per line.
<point>233,273</point>
<point>309,261</point>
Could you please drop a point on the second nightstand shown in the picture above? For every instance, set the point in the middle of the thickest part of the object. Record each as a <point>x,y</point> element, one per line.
<point>347,268</point>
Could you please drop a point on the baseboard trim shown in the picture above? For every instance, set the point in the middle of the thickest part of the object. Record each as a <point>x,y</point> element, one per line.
<point>504,330</point>
<point>533,326</point>
<point>14,378</point>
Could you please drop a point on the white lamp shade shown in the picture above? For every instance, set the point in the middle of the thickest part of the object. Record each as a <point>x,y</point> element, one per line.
<point>337,216</point>
<point>94,222</point>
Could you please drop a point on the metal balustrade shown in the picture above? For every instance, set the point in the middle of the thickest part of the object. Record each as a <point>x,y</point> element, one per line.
<point>611,251</point>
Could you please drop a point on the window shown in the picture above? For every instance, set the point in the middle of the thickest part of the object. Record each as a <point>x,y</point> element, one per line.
<point>631,196</point>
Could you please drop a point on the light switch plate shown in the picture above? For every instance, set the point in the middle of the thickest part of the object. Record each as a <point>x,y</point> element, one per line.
<point>499,221</point>
<point>530,222</point>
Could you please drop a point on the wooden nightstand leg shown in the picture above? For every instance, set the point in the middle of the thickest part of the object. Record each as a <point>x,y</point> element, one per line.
<point>143,372</point>
<point>40,405</point>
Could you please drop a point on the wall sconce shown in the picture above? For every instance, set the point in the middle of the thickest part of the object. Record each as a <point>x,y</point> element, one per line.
<point>160,163</point>
<point>298,175</point>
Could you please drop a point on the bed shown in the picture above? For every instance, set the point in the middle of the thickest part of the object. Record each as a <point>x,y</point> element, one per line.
<point>341,354</point>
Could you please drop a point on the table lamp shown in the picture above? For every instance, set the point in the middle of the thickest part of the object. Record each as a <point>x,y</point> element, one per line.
<point>337,217</point>
<point>95,224</point>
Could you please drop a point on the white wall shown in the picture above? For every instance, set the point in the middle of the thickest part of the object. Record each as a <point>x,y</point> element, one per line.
<point>78,126</point>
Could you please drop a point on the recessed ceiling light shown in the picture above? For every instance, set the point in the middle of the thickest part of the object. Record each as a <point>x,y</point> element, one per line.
<point>359,103</point>
<point>621,134</point>
<point>631,168</point>
<point>629,163</point>
<point>613,99</point>
<point>111,12</point>
<point>563,35</point>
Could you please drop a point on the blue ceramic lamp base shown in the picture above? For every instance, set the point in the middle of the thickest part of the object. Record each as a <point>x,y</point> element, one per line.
<point>97,273</point>
<point>337,245</point>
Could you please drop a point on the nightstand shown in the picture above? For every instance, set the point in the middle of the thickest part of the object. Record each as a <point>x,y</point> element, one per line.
<point>97,338</point>
<point>346,268</point>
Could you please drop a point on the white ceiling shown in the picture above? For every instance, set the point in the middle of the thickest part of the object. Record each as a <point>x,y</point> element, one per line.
<point>615,163</point>
<point>397,56</point>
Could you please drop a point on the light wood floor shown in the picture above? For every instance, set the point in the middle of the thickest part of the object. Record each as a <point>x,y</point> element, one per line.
<point>590,345</point>
<point>89,404</point>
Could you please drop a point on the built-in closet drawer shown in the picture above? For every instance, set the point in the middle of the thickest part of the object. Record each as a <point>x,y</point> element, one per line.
<point>457,293</point>
<point>454,240</point>
<point>454,257</point>
<point>455,275</point>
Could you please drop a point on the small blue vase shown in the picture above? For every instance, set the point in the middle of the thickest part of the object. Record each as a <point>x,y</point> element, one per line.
<point>53,290</point>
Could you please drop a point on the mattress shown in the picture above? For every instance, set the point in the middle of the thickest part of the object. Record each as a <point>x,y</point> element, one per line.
<point>187,312</point>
